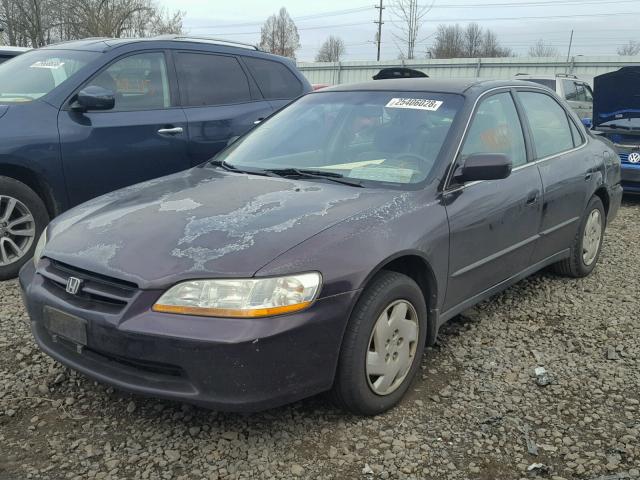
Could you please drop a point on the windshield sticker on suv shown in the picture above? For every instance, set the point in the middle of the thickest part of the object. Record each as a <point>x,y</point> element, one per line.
<point>415,103</point>
<point>50,64</point>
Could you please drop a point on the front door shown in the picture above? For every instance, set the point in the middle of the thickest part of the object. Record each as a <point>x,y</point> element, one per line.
<point>218,101</point>
<point>564,166</point>
<point>142,137</point>
<point>493,224</point>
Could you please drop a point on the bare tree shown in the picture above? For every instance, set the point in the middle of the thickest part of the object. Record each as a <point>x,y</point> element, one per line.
<point>331,50</point>
<point>491,48</point>
<point>36,23</point>
<point>452,41</point>
<point>410,16</point>
<point>473,40</point>
<point>630,49</point>
<point>279,35</point>
<point>541,49</point>
<point>449,42</point>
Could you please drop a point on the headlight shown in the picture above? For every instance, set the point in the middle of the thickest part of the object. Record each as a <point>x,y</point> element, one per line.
<point>37,253</point>
<point>250,298</point>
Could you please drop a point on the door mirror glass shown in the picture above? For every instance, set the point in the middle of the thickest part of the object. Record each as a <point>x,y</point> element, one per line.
<point>484,166</point>
<point>94,97</point>
<point>587,123</point>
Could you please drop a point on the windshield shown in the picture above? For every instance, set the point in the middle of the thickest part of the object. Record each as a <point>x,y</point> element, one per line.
<point>32,75</point>
<point>383,137</point>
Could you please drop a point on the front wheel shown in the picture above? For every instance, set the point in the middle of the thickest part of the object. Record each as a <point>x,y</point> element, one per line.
<point>587,244</point>
<point>382,346</point>
<point>23,216</point>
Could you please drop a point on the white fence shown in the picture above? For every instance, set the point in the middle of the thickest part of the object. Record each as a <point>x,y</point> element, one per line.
<point>496,68</point>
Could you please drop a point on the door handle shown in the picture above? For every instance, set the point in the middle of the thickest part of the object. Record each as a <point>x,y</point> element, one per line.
<point>258,121</point>
<point>171,131</point>
<point>532,199</point>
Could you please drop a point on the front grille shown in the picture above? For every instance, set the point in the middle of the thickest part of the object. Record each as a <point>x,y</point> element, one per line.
<point>156,368</point>
<point>105,290</point>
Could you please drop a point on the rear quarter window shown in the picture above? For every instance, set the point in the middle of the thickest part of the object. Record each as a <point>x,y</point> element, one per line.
<point>274,79</point>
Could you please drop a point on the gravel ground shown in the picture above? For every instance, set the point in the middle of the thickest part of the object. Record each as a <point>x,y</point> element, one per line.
<point>477,411</point>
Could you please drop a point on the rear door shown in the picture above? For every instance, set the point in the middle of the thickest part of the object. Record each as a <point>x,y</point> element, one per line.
<point>565,166</point>
<point>275,80</point>
<point>142,137</point>
<point>493,224</point>
<point>218,100</point>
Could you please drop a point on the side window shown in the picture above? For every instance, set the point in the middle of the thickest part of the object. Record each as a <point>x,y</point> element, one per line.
<point>588,92</point>
<point>583,95</point>
<point>577,136</point>
<point>273,78</point>
<point>207,80</point>
<point>549,124</point>
<point>570,91</point>
<point>139,82</point>
<point>496,128</point>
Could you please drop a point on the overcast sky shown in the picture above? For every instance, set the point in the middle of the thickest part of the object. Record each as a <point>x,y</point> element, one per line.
<point>600,26</point>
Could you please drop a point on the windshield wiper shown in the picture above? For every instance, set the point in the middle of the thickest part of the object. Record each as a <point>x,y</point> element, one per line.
<point>304,173</point>
<point>232,168</point>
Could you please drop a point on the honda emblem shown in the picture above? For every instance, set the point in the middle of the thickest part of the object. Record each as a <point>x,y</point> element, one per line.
<point>73,285</point>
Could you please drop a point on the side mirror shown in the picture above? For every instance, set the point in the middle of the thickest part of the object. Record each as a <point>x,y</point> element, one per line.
<point>232,140</point>
<point>94,98</point>
<point>484,166</point>
<point>587,122</point>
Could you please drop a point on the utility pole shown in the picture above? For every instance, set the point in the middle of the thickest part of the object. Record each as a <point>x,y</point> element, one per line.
<point>379,22</point>
<point>570,43</point>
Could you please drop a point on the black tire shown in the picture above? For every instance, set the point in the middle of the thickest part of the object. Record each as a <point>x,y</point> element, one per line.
<point>574,266</point>
<point>351,390</point>
<point>13,189</point>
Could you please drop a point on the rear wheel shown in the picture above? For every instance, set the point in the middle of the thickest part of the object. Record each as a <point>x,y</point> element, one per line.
<point>586,247</point>
<point>23,216</point>
<point>383,345</point>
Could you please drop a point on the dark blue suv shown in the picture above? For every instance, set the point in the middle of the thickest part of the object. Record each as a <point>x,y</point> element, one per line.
<point>83,118</point>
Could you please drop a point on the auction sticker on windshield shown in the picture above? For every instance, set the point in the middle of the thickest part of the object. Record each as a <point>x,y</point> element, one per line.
<point>49,64</point>
<point>415,103</point>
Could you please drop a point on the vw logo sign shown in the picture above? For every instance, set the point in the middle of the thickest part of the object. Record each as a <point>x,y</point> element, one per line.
<point>634,157</point>
<point>73,285</point>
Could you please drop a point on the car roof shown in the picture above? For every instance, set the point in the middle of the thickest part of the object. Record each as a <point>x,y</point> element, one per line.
<point>102,44</point>
<point>441,85</point>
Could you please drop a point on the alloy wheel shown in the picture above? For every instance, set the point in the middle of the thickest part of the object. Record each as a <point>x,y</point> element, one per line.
<point>592,237</point>
<point>17,230</point>
<point>392,347</point>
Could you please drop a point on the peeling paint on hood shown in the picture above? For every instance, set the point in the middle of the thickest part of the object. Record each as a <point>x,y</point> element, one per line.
<point>201,223</point>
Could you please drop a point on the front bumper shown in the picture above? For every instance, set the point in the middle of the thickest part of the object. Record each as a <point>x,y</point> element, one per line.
<point>219,363</point>
<point>630,175</point>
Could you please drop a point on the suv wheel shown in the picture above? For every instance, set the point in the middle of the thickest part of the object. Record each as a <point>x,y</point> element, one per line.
<point>23,216</point>
<point>383,345</point>
<point>587,244</point>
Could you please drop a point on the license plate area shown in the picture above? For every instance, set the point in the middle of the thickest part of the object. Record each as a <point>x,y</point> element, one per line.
<point>62,325</point>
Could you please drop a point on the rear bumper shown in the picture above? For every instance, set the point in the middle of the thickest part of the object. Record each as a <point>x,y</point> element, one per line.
<point>224,364</point>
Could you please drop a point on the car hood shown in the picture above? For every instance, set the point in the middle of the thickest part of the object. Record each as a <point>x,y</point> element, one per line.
<point>201,223</point>
<point>616,95</point>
